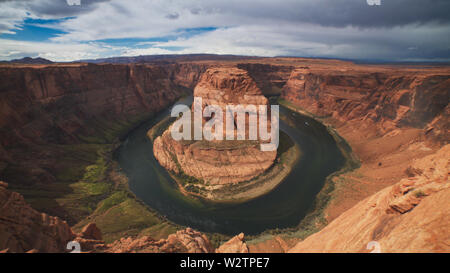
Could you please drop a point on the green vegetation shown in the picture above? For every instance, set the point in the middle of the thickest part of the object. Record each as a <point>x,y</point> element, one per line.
<point>121,215</point>
<point>89,186</point>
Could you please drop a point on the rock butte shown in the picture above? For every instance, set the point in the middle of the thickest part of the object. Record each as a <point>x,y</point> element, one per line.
<point>396,119</point>
<point>218,162</point>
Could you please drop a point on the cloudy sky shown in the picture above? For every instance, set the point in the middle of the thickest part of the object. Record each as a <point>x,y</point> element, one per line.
<point>62,30</point>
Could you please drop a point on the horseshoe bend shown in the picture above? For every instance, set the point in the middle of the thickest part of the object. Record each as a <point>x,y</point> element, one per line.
<point>225,163</point>
<point>87,155</point>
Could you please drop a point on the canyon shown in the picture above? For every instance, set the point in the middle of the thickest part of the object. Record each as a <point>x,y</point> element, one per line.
<point>61,122</point>
<point>218,162</point>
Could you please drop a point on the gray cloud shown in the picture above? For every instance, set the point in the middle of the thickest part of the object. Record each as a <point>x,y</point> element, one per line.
<point>173,16</point>
<point>60,8</point>
<point>339,13</point>
<point>398,29</point>
<point>54,8</point>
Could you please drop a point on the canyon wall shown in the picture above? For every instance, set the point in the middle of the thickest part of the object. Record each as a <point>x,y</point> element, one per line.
<point>65,104</point>
<point>396,120</point>
<point>389,99</point>
<point>51,103</point>
<point>413,215</point>
<point>269,78</point>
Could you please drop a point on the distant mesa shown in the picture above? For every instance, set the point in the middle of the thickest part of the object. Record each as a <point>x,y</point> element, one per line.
<point>166,58</point>
<point>29,60</point>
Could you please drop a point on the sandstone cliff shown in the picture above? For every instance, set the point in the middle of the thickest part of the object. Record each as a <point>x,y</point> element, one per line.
<point>388,98</point>
<point>413,215</point>
<point>67,104</point>
<point>269,78</point>
<point>392,117</point>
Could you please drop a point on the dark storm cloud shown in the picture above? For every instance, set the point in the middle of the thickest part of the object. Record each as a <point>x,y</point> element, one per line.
<point>55,8</point>
<point>397,29</point>
<point>389,13</point>
<point>60,8</point>
<point>339,13</point>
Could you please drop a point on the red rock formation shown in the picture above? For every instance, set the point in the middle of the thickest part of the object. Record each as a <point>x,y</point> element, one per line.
<point>413,215</point>
<point>183,241</point>
<point>23,228</point>
<point>387,98</point>
<point>91,231</point>
<point>213,162</point>
<point>59,103</point>
<point>392,117</point>
<point>234,245</point>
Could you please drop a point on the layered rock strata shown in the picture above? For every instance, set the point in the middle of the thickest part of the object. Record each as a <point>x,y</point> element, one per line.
<point>44,106</point>
<point>412,215</point>
<point>218,162</point>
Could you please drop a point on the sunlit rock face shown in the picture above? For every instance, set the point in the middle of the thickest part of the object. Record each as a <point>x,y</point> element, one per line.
<point>412,215</point>
<point>381,97</point>
<point>219,161</point>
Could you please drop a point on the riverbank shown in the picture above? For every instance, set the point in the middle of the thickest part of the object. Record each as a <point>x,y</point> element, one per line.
<point>384,158</point>
<point>280,240</point>
<point>287,156</point>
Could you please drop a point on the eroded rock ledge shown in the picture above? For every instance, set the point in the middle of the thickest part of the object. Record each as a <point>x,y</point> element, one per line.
<point>413,215</point>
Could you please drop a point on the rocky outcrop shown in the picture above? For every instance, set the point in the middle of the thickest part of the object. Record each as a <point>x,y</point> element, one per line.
<point>23,229</point>
<point>218,162</point>
<point>413,215</point>
<point>183,241</point>
<point>234,245</point>
<point>91,90</point>
<point>91,231</point>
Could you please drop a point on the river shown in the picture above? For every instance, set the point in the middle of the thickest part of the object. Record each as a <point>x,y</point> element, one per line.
<point>283,207</point>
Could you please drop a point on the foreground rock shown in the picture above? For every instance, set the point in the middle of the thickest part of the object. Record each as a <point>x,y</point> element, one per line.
<point>183,241</point>
<point>411,216</point>
<point>234,245</point>
<point>23,229</point>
